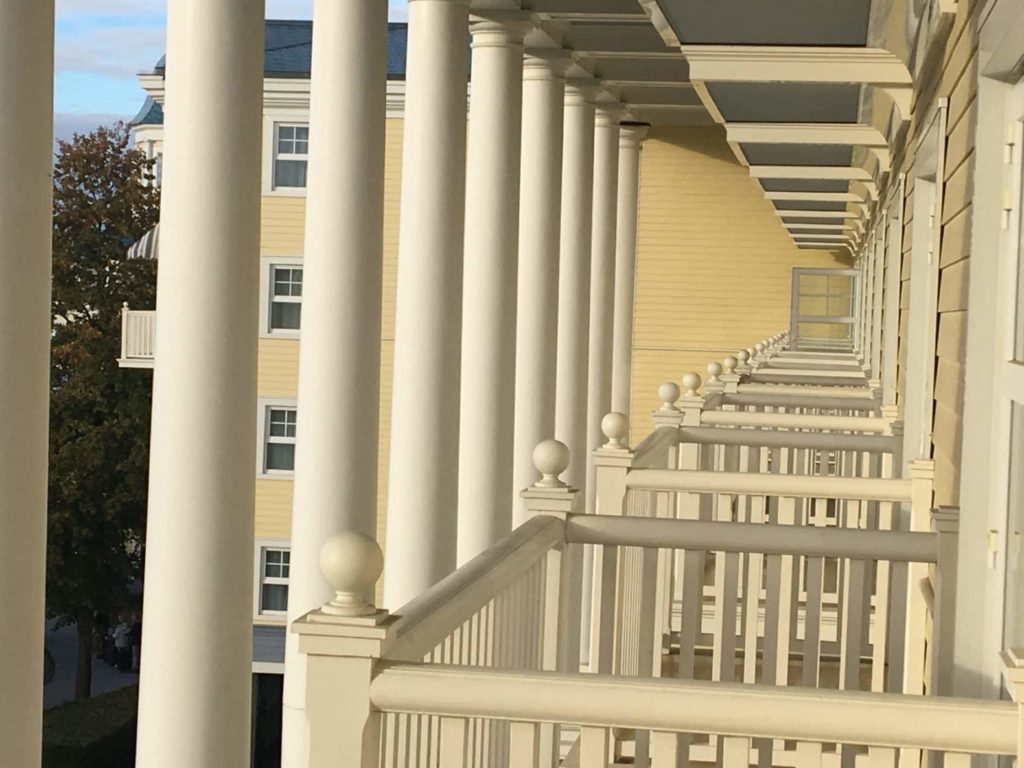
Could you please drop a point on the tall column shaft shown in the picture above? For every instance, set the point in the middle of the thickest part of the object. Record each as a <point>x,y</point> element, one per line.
<point>630,138</point>
<point>574,277</point>
<point>489,290</point>
<point>539,223</point>
<point>602,278</point>
<point>423,477</point>
<point>339,361</point>
<point>194,698</point>
<point>26,205</point>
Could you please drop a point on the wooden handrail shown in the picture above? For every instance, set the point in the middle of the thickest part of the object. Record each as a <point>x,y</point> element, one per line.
<point>866,424</point>
<point>742,483</point>
<point>709,536</point>
<point>428,619</point>
<point>971,726</point>
<point>773,438</point>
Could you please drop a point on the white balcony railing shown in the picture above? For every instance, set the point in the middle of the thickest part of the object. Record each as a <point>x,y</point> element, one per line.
<point>138,338</point>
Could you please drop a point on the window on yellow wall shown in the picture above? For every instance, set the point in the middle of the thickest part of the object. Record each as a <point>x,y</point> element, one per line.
<point>291,155</point>
<point>274,574</point>
<point>279,448</point>
<point>285,298</point>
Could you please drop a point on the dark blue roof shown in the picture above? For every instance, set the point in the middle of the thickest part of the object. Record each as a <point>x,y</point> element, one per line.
<point>288,47</point>
<point>150,114</point>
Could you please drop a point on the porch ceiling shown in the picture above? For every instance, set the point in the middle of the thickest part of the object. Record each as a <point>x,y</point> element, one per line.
<point>812,92</point>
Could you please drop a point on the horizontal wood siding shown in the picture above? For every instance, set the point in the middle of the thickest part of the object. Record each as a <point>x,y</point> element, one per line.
<point>714,264</point>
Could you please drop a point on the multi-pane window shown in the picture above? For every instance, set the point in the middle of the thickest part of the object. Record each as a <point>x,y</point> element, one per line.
<point>279,449</point>
<point>291,155</point>
<point>275,565</point>
<point>285,298</point>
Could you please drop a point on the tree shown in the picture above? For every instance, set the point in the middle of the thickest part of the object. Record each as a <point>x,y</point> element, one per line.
<point>99,413</point>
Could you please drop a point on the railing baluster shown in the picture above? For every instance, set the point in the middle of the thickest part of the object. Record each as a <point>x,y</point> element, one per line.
<point>594,744</point>
<point>812,623</point>
<point>808,754</point>
<point>523,746</point>
<point>453,742</point>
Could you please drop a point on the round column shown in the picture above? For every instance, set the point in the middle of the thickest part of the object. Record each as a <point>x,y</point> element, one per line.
<point>630,138</point>
<point>574,275</point>
<point>339,362</point>
<point>602,278</point>
<point>423,476</point>
<point>539,223</point>
<point>489,291</point>
<point>195,689</point>
<point>26,232</point>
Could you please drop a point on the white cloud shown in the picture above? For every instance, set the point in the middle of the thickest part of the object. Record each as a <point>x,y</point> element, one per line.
<point>112,51</point>
<point>65,125</point>
<point>110,7</point>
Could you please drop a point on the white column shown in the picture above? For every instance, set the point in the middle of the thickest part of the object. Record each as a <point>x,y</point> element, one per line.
<point>339,361</point>
<point>26,204</point>
<point>574,276</point>
<point>602,278</point>
<point>423,477</point>
<point>630,138</point>
<point>194,698</point>
<point>489,290</point>
<point>539,223</point>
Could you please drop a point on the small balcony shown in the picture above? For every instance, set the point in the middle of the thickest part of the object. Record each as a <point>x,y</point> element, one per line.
<point>138,338</point>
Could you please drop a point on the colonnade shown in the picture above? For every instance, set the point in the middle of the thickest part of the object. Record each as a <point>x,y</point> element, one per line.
<point>513,324</point>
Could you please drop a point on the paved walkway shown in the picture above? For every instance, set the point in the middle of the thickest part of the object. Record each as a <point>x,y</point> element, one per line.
<point>62,644</point>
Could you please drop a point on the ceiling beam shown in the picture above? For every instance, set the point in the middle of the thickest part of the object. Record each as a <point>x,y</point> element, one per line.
<point>806,133</point>
<point>832,172</point>
<point>765,64</point>
<point>827,197</point>
<point>783,213</point>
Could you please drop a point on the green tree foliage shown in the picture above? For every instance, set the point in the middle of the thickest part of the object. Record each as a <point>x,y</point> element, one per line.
<point>99,413</point>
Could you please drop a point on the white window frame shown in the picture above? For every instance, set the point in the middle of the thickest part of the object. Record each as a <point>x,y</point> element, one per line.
<point>267,266</point>
<point>795,316</point>
<point>262,545</point>
<point>265,405</point>
<point>271,121</point>
<point>922,321</point>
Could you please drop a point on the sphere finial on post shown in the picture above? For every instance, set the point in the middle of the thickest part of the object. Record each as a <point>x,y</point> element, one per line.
<point>714,371</point>
<point>615,427</point>
<point>551,458</point>
<point>668,393</point>
<point>730,364</point>
<point>759,347</point>
<point>691,383</point>
<point>743,356</point>
<point>351,563</point>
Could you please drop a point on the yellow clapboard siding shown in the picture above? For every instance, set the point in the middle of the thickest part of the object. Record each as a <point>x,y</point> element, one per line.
<point>953,287</point>
<point>278,368</point>
<point>952,336</point>
<point>714,264</point>
<point>956,238</point>
<point>283,226</point>
<point>956,194</point>
<point>273,509</point>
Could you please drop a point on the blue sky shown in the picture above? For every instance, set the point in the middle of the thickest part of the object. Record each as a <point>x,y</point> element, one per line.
<point>103,44</point>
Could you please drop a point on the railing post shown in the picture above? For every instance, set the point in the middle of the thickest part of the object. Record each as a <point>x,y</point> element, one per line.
<point>922,473</point>
<point>124,331</point>
<point>714,384</point>
<point>946,523</point>
<point>342,642</point>
<point>731,378</point>
<point>564,595</point>
<point>612,462</point>
<point>1013,674</point>
<point>691,404</point>
<point>743,356</point>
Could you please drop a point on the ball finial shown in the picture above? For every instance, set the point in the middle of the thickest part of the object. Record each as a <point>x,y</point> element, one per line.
<point>615,426</point>
<point>759,347</point>
<point>691,383</point>
<point>743,356</point>
<point>730,364</point>
<point>668,393</point>
<point>714,371</point>
<point>351,563</point>
<point>551,458</point>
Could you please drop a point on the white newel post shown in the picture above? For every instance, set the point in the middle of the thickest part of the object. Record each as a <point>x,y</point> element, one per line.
<point>342,642</point>
<point>423,478</point>
<point>730,378</point>
<point>195,689</point>
<point>489,293</point>
<point>612,462</point>
<point>537,305</point>
<point>630,138</point>
<point>922,476</point>
<point>564,574</point>
<point>339,362</point>
<point>946,523</point>
<point>602,276</point>
<point>26,205</point>
<point>574,275</point>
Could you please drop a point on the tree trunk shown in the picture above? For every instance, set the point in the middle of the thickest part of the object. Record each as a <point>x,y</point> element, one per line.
<point>83,667</point>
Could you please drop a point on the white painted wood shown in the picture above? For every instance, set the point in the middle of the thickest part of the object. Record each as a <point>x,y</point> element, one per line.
<point>808,754</point>
<point>423,474</point>
<point>335,486</point>
<point>594,747</point>
<point>523,746</point>
<point>26,234</point>
<point>871,489</point>
<point>574,277</point>
<point>630,139</point>
<point>453,743</point>
<point>202,447</point>
<point>486,403</point>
